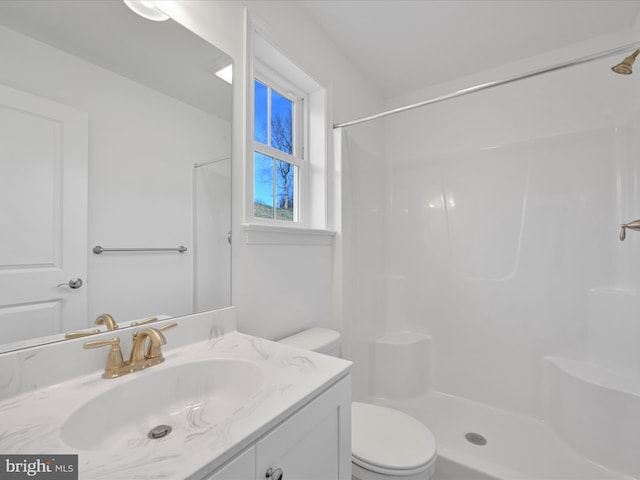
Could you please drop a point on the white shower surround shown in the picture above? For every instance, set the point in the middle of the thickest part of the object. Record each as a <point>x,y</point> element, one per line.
<point>491,225</point>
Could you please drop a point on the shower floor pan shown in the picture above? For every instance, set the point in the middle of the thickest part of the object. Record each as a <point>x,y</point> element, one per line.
<point>517,447</point>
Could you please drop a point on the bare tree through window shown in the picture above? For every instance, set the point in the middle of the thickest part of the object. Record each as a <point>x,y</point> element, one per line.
<point>273,177</point>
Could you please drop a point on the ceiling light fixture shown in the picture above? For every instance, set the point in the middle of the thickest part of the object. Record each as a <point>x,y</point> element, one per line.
<point>226,73</point>
<point>147,10</point>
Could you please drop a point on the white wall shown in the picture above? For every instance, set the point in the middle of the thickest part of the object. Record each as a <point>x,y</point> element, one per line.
<point>142,146</point>
<point>279,290</point>
<point>501,211</point>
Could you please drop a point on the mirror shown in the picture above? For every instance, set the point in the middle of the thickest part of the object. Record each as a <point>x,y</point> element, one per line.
<point>114,132</point>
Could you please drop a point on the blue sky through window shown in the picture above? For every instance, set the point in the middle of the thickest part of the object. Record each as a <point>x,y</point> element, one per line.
<point>273,126</point>
<point>263,179</point>
<point>281,123</point>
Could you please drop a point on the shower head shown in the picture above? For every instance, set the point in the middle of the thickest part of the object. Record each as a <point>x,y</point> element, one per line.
<point>624,68</point>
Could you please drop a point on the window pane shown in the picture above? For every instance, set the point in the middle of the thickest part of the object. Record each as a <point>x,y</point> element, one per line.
<point>262,186</point>
<point>284,178</point>
<point>260,113</point>
<point>281,123</point>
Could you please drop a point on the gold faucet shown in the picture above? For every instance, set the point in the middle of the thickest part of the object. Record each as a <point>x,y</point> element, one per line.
<point>153,353</point>
<point>140,358</point>
<point>106,319</point>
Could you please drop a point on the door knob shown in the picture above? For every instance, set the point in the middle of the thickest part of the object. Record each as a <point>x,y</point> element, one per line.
<point>74,283</point>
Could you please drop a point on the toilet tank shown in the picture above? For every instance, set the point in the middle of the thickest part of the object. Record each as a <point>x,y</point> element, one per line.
<point>317,339</point>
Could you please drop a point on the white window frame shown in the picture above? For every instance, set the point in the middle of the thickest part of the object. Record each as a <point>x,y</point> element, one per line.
<point>300,100</point>
<point>317,210</point>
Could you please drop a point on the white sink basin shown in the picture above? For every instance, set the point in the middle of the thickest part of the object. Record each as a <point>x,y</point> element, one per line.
<point>190,398</point>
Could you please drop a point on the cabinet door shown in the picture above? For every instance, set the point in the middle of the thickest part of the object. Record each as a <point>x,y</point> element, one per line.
<point>241,467</point>
<point>314,443</point>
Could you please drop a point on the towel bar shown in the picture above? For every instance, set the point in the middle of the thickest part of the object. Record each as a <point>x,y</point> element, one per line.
<point>98,249</point>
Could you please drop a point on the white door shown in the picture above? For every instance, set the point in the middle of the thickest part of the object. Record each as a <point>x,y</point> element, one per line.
<point>43,216</point>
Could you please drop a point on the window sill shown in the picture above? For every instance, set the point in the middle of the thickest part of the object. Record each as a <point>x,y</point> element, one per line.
<point>258,234</point>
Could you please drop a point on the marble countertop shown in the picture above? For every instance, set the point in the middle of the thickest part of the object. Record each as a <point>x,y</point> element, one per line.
<point>31,423</point>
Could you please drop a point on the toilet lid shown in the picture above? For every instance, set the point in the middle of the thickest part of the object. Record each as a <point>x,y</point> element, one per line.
<point>383,439</point>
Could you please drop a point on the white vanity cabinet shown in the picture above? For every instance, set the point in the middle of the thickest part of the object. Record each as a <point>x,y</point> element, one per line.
<point>314,443</point>
<point>241,467</point>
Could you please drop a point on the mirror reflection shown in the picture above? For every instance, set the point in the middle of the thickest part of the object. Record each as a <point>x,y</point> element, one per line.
<point>114,132</point>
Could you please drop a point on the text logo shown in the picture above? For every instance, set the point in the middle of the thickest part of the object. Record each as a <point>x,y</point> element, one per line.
<point>50,467</point>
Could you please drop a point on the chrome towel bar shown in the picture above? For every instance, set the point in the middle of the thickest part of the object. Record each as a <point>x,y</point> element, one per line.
<point>98,249</point>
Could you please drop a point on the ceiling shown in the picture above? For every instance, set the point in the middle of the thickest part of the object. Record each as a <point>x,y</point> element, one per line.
<point>162,55</point>
<point>402,46</point>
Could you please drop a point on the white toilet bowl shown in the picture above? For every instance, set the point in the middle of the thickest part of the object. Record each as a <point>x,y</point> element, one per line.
<point>386,444</point>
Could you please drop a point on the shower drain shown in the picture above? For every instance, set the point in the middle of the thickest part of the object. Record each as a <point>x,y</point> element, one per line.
<point>475,438</point>
<point>159,432</point>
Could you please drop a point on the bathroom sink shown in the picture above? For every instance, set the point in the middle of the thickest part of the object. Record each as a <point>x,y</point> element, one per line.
<point>189,398</point>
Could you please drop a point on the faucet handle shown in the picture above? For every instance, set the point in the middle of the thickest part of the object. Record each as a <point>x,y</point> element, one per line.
<point>168,326</point>
<point>144,322</point>
<point>115,341</point>
<point>115,362</point>
<point>81,334</point>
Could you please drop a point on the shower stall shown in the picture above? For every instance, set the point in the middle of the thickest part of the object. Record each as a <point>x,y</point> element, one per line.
<point>488,292</point>
<point>211,197</point>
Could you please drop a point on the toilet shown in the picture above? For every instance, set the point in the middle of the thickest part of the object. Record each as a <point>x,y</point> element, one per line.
<point>386,444</point>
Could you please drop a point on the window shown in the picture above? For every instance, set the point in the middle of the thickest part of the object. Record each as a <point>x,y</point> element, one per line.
<point>279,169</point>
<point>287,181</point>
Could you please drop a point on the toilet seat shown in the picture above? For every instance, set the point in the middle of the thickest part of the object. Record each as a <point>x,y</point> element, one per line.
<point>390,442</point>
